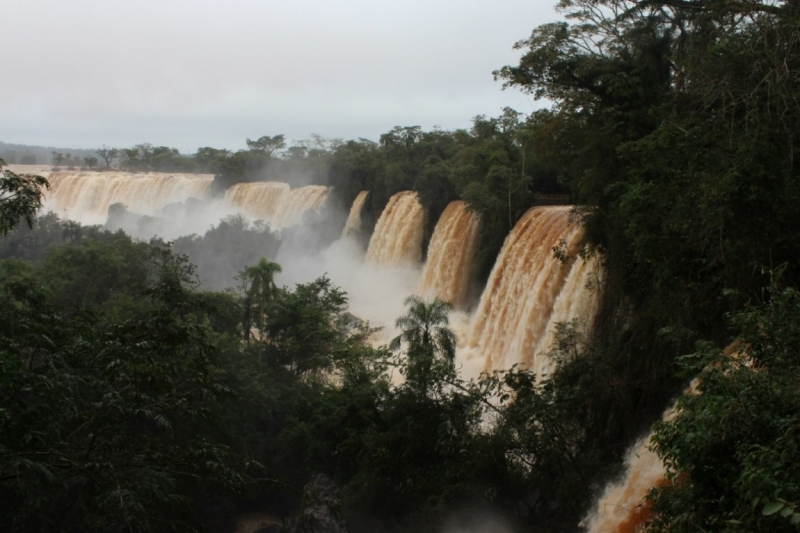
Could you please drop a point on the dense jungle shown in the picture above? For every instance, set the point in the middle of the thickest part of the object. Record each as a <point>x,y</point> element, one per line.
<point>135,398</point>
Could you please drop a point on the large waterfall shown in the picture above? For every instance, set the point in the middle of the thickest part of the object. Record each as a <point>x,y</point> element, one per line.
<point>353,225</point>
<point>529,290</point>
<point>274,202</point>
<point>86,196</point>
<point>451,255</point>
<point>397,239</point>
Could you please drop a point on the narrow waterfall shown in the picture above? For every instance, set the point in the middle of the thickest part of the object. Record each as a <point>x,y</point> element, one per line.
<point>276,203</point>
<point>86,196</point>
<point>451,255</point>
<point>398,234</point>
<point>529,290</point>
<point>353,225</point>
<point>622,507</point>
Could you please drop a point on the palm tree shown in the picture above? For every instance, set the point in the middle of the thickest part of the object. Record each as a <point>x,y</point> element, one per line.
<point>431,343</point>
<point>260,289</point>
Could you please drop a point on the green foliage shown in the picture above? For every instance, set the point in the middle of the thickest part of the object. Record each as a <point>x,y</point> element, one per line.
<point>108,155</point>
<point>146,158</point>
<point>267,144</point>
<point>430,344</point>
<point>100,415</point>
<point>732,452</point>
<point>674,128</point>
<point>308,328</point>
<point>258,286</point>
<point>153,380</point>
<point>674,125</point>
<point>20,198</point>
<point>32,243</point>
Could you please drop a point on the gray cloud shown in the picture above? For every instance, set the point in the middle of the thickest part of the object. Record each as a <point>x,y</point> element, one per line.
<point>206,72</point>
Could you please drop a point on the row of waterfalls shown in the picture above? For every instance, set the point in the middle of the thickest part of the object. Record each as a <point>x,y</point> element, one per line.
<point>529,291</point>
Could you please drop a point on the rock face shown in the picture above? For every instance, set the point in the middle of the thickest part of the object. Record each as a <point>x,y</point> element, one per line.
<point>256,523</point>
<point>321,511</point>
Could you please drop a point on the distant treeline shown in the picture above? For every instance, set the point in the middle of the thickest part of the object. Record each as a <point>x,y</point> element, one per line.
<point>22,154</point>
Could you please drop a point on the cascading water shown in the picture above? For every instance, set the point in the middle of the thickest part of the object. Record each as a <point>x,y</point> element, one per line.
<point>577,301</point>
<point>276,203</point>
<point>397,239</point>
<point>451,255</point>
<point>622,507</point>
<point>529,290</point>
<point>353,225</point>
<point>86,196</point>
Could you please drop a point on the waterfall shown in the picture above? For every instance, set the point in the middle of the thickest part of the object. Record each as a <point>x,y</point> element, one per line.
<point>622,507</point>
<point>398,234</point>
<point>529,290</point>
<point>451,255</point>
<point>86,196</point>
<point>275,203</point>
<point>577,300</point>
<point>353,225</point>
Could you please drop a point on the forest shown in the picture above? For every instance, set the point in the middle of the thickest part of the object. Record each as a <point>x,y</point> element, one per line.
<point>132,399</point>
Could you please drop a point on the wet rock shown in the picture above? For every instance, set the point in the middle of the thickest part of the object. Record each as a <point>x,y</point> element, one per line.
<point>257,523</point>
<point>321,511</point>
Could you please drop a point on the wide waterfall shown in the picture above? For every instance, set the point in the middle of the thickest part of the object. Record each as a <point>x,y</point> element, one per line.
<point>451,255</point>
<point>529,290</point>
<point>397,239</point>
<point>274,202</point>
<point>86,196</point>
<point>353,225</point>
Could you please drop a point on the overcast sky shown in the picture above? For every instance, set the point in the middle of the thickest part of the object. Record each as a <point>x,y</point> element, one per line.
<point>190,73</point>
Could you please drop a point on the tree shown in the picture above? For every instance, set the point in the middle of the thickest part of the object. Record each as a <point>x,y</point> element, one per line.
<point>402,136</point>
<point>258,284</point>
<point>20,197</point>
<point>130,158</point>
<point>267,144</point>
<point>108,155</point>
<point>146,151</point>
<point>89,162</point>
<point>208,157</point>
<point>431,344</point>
<point>308,330</point>
<point>58,158</point>
<point>105,417</point>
